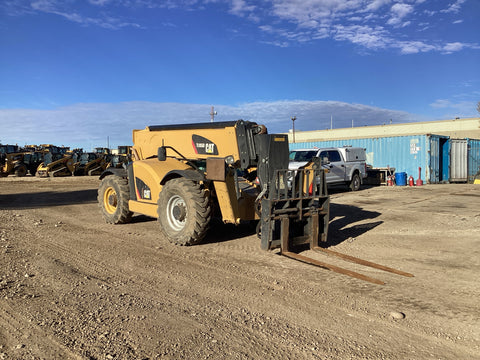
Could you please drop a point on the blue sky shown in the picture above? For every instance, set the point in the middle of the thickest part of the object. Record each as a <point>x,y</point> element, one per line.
<point>74,72</point>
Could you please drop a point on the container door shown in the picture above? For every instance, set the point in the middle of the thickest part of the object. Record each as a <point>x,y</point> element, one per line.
<point>444,159</point>
<point>433,159</point>
<point>473,159</point>
<point>458,160</point>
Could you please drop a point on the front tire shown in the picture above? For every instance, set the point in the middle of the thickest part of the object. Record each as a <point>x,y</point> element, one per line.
<point>113,196</point>
<point>184,211</point>
<point>20,170</point>
<point>355,183</point>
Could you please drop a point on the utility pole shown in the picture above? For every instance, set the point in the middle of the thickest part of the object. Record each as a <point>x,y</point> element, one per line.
<point>212,114</point>
<point>293,124</point>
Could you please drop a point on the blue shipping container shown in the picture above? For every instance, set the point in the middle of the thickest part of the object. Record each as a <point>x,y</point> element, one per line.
<point>473,158</point>
<point>404,153</point>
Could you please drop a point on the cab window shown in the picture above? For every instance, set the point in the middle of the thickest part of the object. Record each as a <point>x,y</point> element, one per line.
<point>334,156</point>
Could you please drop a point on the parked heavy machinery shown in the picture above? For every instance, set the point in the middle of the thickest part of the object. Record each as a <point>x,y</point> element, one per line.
<point>184,175</point>
<point>54,168</point>
<point>11,161</point>
<point>56,152</point>
<point>120,157</point>
<point>102,150</point>
<point>90,163</point>
<point>32,160</point>
<point>19,161</point>
<point>8,149</point>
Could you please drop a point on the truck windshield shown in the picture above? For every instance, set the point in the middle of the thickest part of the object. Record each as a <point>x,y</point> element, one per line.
<point>302,155</point>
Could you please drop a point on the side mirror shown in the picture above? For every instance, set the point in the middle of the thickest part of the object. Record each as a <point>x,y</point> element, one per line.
<point>162,153</point>
<point>325,161</point>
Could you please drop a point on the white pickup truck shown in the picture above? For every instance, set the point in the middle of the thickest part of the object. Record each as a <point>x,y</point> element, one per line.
<point>345,165</point>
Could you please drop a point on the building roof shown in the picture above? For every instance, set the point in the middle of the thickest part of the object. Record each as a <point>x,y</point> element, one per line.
<point>455,129</point>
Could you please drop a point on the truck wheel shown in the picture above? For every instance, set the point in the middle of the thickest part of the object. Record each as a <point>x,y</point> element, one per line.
<point>183,212</point>
<point>355,183</point>
<point>113,196</point>
<point>20,170</point>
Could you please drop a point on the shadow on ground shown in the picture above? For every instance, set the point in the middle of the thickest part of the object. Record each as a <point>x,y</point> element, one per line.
<point>340,227</point>
<point>46,199</point>
<point>341,218</point>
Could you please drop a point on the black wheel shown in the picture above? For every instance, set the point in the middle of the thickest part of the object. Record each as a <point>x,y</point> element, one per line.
<point>356,182</point>
<point>113,196</point>
<point>20,170</point>
<point>184,212</point>
<point>80,171</point>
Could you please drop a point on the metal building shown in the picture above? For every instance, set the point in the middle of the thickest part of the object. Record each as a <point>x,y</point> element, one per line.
<point>441,157</point>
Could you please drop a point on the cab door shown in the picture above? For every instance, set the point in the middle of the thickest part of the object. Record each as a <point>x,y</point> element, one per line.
<point>335,166</point>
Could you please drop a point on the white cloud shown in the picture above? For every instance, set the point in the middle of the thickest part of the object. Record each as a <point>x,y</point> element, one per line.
<point>398,12</point>
<point>414,47</point>
<point>451,47</point>
<point>99,2</point>
<point>44,5</point>
<point>380,24</point>
<point>441,103</point>
<point>90,124</point>
<point>454,7</point>
<point>371,38</point>
<point>451,109</point>
<point>240,7</point>
<point>66,9</point>
<point>377,4</point>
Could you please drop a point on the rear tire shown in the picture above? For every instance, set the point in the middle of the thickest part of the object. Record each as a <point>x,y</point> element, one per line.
<point>355,183</point>
<point>113,196</point>
<point>184,212</point>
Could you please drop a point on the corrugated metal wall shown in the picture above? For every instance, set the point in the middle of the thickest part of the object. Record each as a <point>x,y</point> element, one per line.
<point>404,153</point>
<point>473,158</point>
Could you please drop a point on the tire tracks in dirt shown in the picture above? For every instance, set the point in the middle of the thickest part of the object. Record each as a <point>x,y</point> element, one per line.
<point>32,341</point>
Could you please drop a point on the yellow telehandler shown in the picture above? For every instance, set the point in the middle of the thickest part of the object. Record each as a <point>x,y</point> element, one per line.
<point>184,175</point>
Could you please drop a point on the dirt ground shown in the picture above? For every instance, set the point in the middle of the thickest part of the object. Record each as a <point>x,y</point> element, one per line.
<point>74,287</point>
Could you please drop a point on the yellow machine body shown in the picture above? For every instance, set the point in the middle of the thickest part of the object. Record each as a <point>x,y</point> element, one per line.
<point>13,163</point>
<point>221,142</point>
<point>184,175</point>
<point>61,167</point>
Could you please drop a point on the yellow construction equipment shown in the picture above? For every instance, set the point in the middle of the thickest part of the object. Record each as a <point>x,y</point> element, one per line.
<point>50,167</point>
<point>119,157</point>
<point>184,175</point>
<point>11,161</point>
<point>90,163</point>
